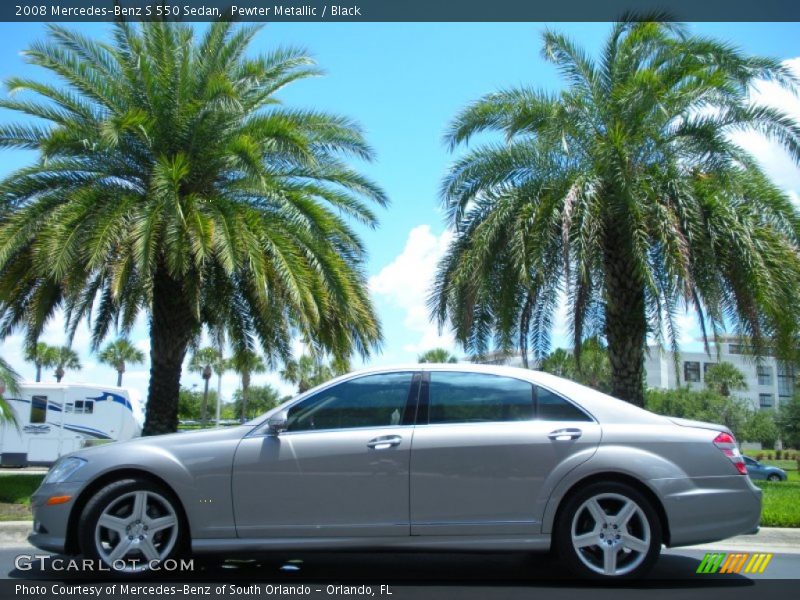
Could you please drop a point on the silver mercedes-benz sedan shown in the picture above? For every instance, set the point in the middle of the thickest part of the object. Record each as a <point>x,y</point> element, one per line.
<point>424,457</point>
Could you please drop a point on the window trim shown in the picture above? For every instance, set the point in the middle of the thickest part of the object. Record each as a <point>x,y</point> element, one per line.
<point>409,409</point>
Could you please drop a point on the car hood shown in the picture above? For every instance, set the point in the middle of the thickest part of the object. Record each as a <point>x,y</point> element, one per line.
<point>699,424</point>
<point>169,441</point>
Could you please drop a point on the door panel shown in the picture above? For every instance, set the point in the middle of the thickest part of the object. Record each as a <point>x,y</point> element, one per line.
<point>486,478</point>
<point>340,469</point>
<point>322,484</point>
<point>483,447</point>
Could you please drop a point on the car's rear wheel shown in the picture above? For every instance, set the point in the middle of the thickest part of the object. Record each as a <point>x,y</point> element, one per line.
<point>608,530</point>
<point>130,525</point>
<point>774,477</point>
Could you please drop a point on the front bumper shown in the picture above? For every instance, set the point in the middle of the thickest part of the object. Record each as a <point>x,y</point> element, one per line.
<point>51,522</point>
<point>709,509</point>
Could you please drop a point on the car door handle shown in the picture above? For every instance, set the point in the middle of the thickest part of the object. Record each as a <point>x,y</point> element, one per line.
<point>565,435</point>
<point>384,442</point>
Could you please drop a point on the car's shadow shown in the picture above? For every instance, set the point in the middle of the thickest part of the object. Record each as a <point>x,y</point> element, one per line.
<point>406,569</point>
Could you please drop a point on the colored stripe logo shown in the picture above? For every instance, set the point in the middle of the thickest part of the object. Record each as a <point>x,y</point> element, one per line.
<point>734,562</point>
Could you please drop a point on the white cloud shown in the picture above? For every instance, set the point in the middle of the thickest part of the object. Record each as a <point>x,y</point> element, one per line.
<point>405,284</point>
<point>774,159</point>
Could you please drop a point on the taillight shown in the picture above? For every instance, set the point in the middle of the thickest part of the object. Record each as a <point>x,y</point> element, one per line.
<point>727,443</point>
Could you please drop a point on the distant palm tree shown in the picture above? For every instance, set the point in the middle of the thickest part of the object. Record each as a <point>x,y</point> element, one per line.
<point>594,369</point>
<point>625,190</point>
<point>42,356</point>
<point>309,371</point>
<point>246,363</point>
<point>724,377</point>
<point>437,355</point>
<point>203,361</point>
<point>9,381</point>
<point>120,353</point>
<point>172,181</point>
<point>66,359</point>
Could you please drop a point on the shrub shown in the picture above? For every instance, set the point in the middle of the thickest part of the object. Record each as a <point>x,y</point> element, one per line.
<point>778,454</point>
<point>760,456</point>
<point>769,456</point>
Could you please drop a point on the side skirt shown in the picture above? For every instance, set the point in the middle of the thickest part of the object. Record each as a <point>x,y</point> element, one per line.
<point>412,543</point>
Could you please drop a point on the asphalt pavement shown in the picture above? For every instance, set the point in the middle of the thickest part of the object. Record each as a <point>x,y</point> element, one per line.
<point>675,569</point>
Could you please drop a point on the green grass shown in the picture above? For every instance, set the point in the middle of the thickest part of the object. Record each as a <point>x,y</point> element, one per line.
<point>15,495</point>
<point>17,488</point>
<point>781,503</point>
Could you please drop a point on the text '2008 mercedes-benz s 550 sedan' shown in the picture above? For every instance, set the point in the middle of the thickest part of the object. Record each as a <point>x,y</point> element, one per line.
<point>433,457</point>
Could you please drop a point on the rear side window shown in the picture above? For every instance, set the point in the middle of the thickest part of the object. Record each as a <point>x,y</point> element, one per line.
<point>552,407</point>
<point>478,397</point>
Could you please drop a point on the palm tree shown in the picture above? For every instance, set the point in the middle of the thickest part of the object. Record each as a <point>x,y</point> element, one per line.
<point>594,369</point>
<point>171,180</point>
<point>203,361</point>
<point>246,363</point>
<point>42,356</point>
<point>310,371</point>
<point>66,359</point>
<point>624,197</point>
<point>437,355</point>
<point>120,353</point>
<point>724,377</point>
<point>8,382</point>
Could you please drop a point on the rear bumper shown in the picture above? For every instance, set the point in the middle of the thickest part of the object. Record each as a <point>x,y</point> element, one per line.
<point>709,509</point>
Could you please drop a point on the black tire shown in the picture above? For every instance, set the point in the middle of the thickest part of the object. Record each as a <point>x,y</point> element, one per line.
<point>117,492</point>
<point>774,477</point>
<point>563,541</point>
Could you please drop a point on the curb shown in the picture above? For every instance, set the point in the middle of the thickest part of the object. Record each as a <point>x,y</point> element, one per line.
<point>14,532</point>
<point>768,539</point>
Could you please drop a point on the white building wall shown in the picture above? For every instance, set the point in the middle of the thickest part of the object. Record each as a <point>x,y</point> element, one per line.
<point>765,391</point>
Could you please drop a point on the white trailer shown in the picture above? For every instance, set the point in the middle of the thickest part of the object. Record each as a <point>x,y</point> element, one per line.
<point>54,419</point>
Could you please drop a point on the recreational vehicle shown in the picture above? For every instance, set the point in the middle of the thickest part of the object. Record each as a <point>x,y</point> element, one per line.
<point>53,419</point>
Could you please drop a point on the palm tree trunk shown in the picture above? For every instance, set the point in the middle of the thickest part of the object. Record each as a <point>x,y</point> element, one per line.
<point>59,374</point>
<point>204,408</point>
<point>245,387</point>
<point>119,377</point>
<point>38,372</point>
<point>626,326</point>
<point>171,325</point>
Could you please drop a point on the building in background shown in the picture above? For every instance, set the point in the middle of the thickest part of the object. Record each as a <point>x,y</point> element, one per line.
<point>769,381</point>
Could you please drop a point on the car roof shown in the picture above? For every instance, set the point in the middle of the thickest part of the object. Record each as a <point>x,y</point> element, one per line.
<point>604,408</point>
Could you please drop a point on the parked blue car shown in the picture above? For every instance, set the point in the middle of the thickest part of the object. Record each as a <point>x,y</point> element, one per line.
<point>758,471</point>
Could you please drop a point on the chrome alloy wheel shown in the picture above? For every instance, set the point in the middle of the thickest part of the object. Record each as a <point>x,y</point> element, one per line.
<point>135,529</point>
<point>610,534</point>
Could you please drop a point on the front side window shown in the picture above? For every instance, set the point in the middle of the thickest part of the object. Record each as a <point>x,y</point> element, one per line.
<point>478,397</point>
<point>38,409</point>
<point>370,401</point>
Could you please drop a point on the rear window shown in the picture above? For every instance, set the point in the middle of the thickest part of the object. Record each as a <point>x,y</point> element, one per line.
<point>552,407</point>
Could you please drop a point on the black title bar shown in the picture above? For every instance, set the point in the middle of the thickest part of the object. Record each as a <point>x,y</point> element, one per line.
<point>396,10</point>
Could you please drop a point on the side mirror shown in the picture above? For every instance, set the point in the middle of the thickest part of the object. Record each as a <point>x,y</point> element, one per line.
<point>277,423</point>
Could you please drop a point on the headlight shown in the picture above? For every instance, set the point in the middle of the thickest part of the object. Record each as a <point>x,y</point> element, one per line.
<point>63,469</point>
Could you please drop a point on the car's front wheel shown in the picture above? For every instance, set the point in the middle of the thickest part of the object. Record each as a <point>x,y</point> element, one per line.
<point>131,525</point>
<point>608,530</point>
<point>774,477</point>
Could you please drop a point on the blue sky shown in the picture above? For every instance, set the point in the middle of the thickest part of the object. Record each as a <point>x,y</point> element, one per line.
<point>403,82</point>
